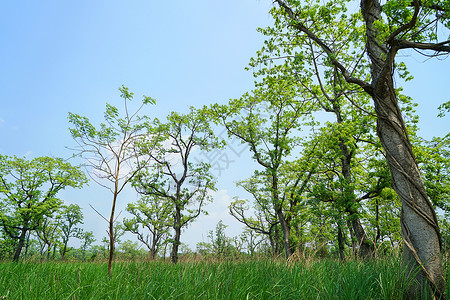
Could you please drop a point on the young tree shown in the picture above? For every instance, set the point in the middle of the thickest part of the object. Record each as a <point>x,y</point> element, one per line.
<point>48,233</point>
<point>265,220</point>
<point>388,29</point>
<point>110,152</point>
<point>87,238</point>
<point>154,214</point>
<point>173,177</point>
<point>70,216</point>
<point>220,243</point>
<point>28,190</point>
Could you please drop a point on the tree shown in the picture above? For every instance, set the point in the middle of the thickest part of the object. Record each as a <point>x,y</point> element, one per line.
<point>220,243</point>
<point>154,214</point>
<point>387,29</point>
<point>28,190</point>
<point>48,233</point>
<point>173,177</point>
<point>87,238</point>
<point>71,215</point>
<point>110,151</point>
<point>267,121</point>
<point>265,220</point>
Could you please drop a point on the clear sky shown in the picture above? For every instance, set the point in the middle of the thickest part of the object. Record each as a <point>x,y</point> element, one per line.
<point>71,56</point>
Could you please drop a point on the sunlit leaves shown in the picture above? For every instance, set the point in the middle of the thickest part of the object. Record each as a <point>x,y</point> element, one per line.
<point>29,188</point>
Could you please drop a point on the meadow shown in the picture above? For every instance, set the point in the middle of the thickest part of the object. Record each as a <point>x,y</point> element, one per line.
<point>261,279</point>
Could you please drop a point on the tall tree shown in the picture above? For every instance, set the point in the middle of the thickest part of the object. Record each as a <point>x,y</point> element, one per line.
<point>172,176</point>
<point>388,29</point>
<point>267,121</point>
<point>28,190</point>
<point>110,152</point>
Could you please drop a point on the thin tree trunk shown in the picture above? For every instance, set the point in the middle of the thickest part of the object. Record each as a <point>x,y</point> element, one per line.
<point>353,238</point>
<point>281,218</point>
<point>111,231</point>
<point>64,251</point>
<point>341,243</point>
<point>175,245</point>
<point>377,222</point>
<point>365,248</point>
<point>176,239</point>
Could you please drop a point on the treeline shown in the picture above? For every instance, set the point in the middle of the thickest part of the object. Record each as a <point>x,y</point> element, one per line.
<point>359,184</point>
<point>321,189</point>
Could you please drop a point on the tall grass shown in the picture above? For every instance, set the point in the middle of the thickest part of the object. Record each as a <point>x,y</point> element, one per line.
<point>324,279</point>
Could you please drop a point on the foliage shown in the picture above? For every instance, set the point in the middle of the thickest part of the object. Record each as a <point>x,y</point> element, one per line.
<point>28,190</point>
<point>154,216</point>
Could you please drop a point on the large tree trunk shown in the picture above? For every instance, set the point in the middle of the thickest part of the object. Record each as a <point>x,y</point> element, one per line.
<point>420,231</point>
<point>20,243</point>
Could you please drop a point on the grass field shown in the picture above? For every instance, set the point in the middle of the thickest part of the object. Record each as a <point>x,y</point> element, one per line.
<point>204,280</point>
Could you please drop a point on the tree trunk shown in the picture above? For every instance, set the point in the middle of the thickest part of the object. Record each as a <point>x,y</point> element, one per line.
<point>64,250</point>
<point>364,246</point>
<point>175,245</point>
<point>27,244</point>
<point>281,217</point>
<point>176,239</point>
<point>353,238</point>
<point>341,243</point>
<point>377,222</point>
<point>420,231</point>
<point>111,230</point>
<point>20,244</point>
<point>286,234</point>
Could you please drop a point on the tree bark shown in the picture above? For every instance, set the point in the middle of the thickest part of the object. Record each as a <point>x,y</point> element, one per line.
<point>281,217</point>
<point>340,240</point>
<point>111,229</point>
<point>176,239</point>
<point>20,244</point>
<point>420,231</point>
<point>364,246</point>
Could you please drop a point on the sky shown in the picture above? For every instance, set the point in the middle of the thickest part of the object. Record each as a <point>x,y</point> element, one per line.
<point>72,56</point>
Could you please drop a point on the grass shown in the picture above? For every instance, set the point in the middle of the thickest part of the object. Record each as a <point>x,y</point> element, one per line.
<point>204,280</point>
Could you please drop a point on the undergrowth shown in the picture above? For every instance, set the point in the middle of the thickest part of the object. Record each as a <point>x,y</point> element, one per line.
<point>322,279</point>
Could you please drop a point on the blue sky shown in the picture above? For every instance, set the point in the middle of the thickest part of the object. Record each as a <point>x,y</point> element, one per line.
<point>60,56</point>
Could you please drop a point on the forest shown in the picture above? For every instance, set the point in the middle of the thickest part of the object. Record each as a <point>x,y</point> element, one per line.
<point>347,201</point>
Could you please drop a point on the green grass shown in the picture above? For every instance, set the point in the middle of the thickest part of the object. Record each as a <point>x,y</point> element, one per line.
<point>203,280</point>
